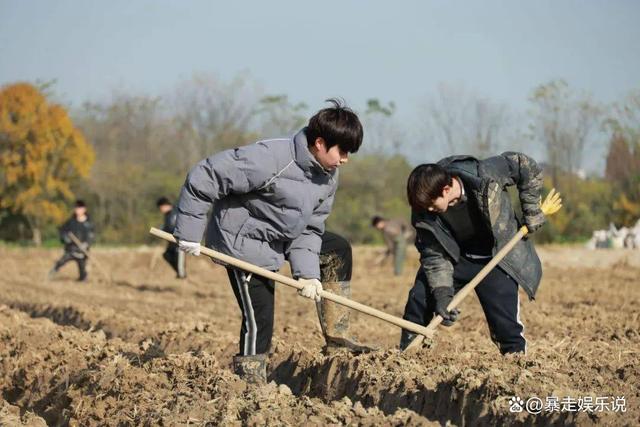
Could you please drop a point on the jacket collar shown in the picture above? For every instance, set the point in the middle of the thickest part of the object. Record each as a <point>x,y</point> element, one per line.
<point>303,156</point>
<point>463,192</point>
<point>465,168</point>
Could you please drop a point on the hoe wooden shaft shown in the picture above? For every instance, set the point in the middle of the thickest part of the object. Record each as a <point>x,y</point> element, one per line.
<point>552,204</point>
<point>466,290</point>
<point>410,326</point>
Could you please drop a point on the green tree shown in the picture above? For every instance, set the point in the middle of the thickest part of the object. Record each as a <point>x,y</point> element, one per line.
<point>371,184</point>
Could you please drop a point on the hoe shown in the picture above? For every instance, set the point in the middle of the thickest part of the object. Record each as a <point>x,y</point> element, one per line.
<point>550,206</point>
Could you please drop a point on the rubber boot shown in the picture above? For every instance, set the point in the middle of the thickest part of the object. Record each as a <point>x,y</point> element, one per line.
<point>252,369</point>
<point>335,320</point>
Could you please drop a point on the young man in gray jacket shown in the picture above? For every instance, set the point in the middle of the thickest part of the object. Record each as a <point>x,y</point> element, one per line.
<point>270,201</point>
<point>463,216</point>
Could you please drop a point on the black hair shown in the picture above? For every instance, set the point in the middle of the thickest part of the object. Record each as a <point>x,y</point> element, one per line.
<point>375,220</point>
<point>337,125</point>
<point>425,184</point>
<point>162,201</point>
<point>80,204</point>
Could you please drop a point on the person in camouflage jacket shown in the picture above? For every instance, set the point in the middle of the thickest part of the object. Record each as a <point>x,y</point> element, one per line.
<point>463,216</point>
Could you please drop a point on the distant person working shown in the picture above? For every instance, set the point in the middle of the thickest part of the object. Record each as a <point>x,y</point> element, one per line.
<point>77,235</point>
<point>174,256</point>
<point>397,234</point>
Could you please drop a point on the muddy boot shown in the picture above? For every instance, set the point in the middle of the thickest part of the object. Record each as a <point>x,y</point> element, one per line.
<point>334,320</point>
<point>252,369</point>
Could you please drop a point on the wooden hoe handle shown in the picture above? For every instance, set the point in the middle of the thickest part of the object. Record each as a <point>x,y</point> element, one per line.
<point>243,265</point>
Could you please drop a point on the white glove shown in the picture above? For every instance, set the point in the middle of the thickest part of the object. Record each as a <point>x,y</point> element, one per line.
<point>312,288</point>
<point>192,248</point>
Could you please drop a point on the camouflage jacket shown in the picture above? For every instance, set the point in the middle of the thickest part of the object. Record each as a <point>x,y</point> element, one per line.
<point>486,181</point>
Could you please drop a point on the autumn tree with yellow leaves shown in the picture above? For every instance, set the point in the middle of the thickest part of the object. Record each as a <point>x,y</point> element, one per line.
<point>42,154</point>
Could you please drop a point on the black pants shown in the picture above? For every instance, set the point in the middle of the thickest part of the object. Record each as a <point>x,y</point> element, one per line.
<point>256,296</point>
<point>80,259</point>
<point>176,259</point>
<point>498,295</point>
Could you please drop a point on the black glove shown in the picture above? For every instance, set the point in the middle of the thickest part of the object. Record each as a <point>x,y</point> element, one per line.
<point>535,221</point>
<point>443,296</point>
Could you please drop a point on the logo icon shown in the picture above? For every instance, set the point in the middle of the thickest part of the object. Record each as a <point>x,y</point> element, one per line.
<point>516,404</point>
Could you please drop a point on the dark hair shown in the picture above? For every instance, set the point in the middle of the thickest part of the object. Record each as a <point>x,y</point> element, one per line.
<point>162,201</point>
<point>375,220</point>
<point>425,184</point>
<point>80,204</point>
<point>337,125</point>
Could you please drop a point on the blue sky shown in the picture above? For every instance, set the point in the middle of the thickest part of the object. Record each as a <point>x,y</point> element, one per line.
<point>395,51</point>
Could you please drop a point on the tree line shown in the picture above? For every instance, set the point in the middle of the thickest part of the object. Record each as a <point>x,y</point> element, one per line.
<point>122,154</point>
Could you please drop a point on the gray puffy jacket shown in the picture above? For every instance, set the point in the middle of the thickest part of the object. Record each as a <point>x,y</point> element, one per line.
<point>270,200</point>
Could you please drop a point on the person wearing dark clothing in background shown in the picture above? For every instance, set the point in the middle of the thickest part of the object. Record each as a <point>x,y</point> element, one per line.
<point>174,256</point>
<point>80,226</point>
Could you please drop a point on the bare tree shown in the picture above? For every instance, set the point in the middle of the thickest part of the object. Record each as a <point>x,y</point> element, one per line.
<point>146,145</point>
<point>277,116</point>
<point>460,122</point>
<point>564,121</point>
<point>624,117</point>
<point>132,139</point>
<point>381,132</point>
<point>211,115</point>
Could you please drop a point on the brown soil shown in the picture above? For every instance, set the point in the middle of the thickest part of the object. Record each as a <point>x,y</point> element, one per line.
<point>147,349</point>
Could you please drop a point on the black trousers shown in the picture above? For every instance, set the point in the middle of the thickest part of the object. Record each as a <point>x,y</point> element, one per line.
<point>498,295</point>
<point>256,296</point>
<point>80,259</point>
<point>176,259</point>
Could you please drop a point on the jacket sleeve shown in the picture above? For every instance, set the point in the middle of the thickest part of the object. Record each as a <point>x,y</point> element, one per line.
<point>435,263</point>
<point>235,171</point>
<point>522,171</point>
<point>304,251</point>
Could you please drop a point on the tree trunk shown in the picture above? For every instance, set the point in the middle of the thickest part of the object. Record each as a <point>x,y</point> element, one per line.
<point>34,226</point>
<point>37,237</point>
